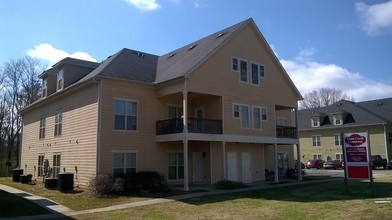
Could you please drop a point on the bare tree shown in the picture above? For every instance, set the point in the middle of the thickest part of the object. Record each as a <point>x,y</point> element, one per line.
<point>323,97</point>
<point>19,87</point>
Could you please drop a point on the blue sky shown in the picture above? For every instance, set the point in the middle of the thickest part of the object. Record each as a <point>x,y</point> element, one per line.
<point>340,44</point>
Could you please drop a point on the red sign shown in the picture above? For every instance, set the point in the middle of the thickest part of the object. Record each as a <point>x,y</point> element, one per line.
<point>356,154</point>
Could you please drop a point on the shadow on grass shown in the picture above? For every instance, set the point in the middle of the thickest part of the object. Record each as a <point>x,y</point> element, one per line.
<point>306,193</point>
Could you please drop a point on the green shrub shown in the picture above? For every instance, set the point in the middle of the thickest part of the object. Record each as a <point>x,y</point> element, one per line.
<point>228,184</point>
<point>149,181</point>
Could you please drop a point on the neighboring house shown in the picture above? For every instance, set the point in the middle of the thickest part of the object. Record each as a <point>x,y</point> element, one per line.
<point>218,108</point>
<point>320,128</point>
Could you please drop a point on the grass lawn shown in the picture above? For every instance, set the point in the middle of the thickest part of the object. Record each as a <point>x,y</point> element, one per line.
<point>309,201</point>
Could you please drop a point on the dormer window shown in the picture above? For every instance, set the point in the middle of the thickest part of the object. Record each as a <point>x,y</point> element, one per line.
<point>337,120</point>
<point>60,80</point>
<point>315,121</point>
<point>44,91</point>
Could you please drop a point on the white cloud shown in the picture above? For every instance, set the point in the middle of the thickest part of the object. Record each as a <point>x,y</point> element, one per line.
<point>310,75</point>
<point>52,55</point>
<point>199,4</point>
<point>144,5</point>
<point>375,18</point>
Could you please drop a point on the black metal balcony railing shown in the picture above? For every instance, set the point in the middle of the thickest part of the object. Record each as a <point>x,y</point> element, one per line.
<point>286,132</point>
<point>205,126</point>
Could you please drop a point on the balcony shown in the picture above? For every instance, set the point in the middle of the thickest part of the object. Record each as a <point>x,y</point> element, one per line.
<point>286,132</point>
<point>205,126</point>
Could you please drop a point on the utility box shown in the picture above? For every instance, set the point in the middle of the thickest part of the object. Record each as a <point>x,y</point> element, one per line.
<point>65,181</point>
<point>16,174</point>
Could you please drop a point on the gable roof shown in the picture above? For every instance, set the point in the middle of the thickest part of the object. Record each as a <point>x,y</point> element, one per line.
<point>355,114</point>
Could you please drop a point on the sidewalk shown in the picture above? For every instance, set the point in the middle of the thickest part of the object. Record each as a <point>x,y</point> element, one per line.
<point>61,212</point>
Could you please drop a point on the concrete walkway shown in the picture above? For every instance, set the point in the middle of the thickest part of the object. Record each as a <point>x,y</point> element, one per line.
<point>61,212</point>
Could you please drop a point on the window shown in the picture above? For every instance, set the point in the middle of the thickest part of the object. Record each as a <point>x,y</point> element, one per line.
<point>390,137</point>
<point>255,74</point>
<point>337,140</point>
<point>234,64</point>
<point>315,122</point>
<point>60,79</point>
<point>42,123</point>
<point>236,111</point>
<point>316,140</point>
<point>283,160</point>
<point>40,167</point>
<point>56,165</point>
<point>244,71</point>
<point>44,88</point>
<point>339,157</point>
<point>337,120</point>
<point>176,165</point>
<point>125,115</point>
<point>263,114</point>
<point>317,156</point>
<point>124,163</point>
<point>58,121</point>
<point>256,117</point>
<point>175,112</point>
<point>244,116</point>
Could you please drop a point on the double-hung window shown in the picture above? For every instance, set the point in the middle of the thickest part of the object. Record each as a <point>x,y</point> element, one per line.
<point>317,156</point>
<point>315,121</point>
<point>42,124</point>
<point>176,165</point>
<point>40,165</point>
<point>125,115</point>
<point>339,157</point>
<point>256,117</point>
<point>243,71</point>
<point>234,64</point>
<point>337,138</point>
<point>236,111</point>
<point>124,163</point>
<point>244,116</point>
<point>56,165</point>
<point>316,140</point>
<point>44,90</point>
<point>337,119</point>
<point>58,123</point>
<point>175,112</point>
<point>60,79</point>
<point>255,74</point>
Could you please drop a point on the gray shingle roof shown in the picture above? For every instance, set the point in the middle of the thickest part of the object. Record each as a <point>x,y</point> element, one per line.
<point>356,114</point>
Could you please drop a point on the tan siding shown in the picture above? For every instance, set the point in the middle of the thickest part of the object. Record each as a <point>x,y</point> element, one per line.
<point>77,144</point>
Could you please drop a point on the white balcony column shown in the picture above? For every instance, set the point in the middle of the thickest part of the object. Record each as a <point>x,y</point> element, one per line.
<point>224,160</point>
<point>276,163</point>
<point>299,163</point>
<point>185,138</point>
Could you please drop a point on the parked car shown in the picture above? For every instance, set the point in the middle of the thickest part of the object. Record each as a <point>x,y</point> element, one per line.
<point>378,161</point>
<point>389,165</point>
<point>332,164</point>
<point>342,164</point>
<point>315,164</point>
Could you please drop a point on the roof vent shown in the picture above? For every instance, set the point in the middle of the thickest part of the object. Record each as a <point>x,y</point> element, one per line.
<point>172,54</point>
<point>379,104</point>
<point>191,47</point>
<point>140,54</point>
<point>339,104</point>
<point>221,34</point>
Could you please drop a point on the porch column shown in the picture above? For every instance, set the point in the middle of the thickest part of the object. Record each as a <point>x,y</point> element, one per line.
<point>276,163</point>
<point>299,163</point>
<point>298,146</point>
<point>224,160</point>
<point>185,138</point>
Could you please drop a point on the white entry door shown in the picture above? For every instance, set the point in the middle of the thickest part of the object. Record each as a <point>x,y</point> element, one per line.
<point>232,166</point>
<point>197,167</point>
<point>246,167</point>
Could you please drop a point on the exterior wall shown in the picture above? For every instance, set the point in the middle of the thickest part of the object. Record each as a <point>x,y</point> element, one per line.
<point>78,142</point>
<point>217,70</point>
<point>328,147</point>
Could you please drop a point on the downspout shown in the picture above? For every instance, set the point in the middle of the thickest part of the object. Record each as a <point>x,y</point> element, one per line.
<point>99,98</point>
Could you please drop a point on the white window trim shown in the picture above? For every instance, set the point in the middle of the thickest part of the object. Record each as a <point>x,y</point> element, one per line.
<point>261,117</point>
<point>167,154</point>
<point>334,139</point>
<point>44,90</point>
<point>247,71</point>
<point>238,64</point>
<point>124,152</point>
<point>59,131</point>
<point>340,155</point>
<point>317,124</point>
<point>341,119</point>
<point>239,113</point>
<point>316,141</point>
<point>257,72</point>
<point>319,156</point>
<point>62,80</point>
<point>137,114</point>
<point>266,114</point>
<point>249,117</point>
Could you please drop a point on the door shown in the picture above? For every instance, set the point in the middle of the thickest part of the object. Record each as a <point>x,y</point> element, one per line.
<point>199,115</point>
<point>232,166</point>
<point>197,167</point>
<point>246,167</point>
